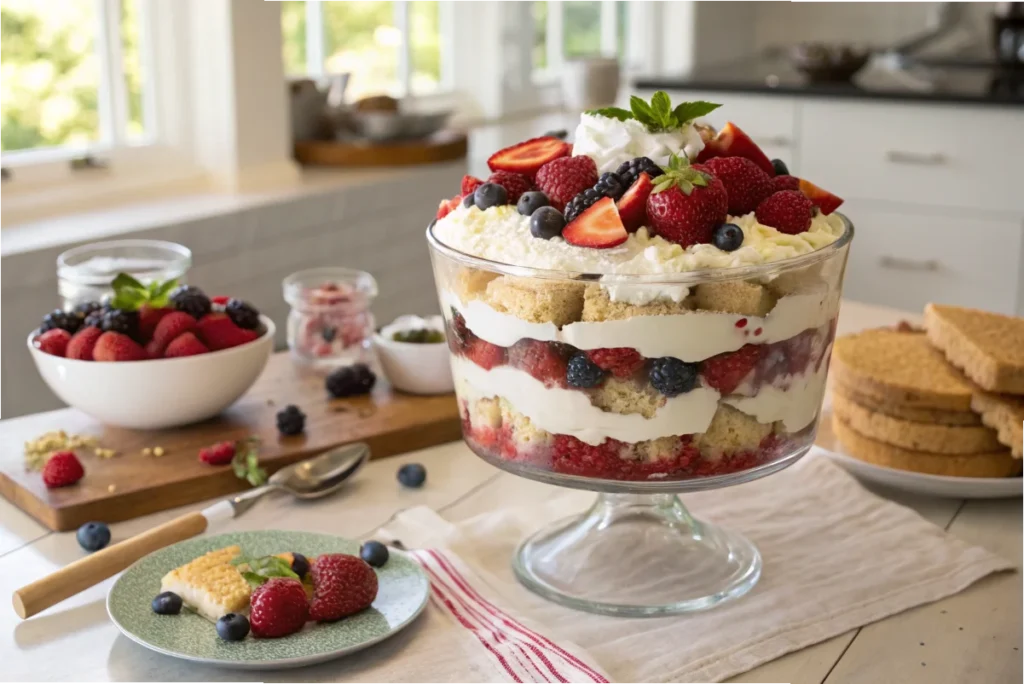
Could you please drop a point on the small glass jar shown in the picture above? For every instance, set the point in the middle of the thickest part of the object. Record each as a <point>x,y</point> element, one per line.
<point>330,323</point>
<point>84,273</point>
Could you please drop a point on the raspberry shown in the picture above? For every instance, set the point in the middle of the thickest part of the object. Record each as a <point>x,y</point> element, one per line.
<point>217,331</point>
<point>62,469</point>
<point>621,362</point>
<point>485,354</point>
<point>785,182</point>
<point>788,211</point>
<point>566,177</point>
<point>220,453</point>
<point>54,341</point>
<point>470,184</point>
<point>545,361</point>
<point>725,372</point>
<point>745,183</point>
<point>574,457</point>
<point>515,184</point>
<point>342,585</point>
<point>278,608</point>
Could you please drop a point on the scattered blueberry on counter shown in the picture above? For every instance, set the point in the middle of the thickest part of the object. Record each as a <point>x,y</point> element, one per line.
<point>672,377</point>
<point>412,475</point>
<point>582,372</point>
<point>167,603</point>
<point>351,381</point>
<point>727,237</point>
<point>490,195</point>
<point>93,536</point>
<point>291,420</point>
<point>374,553</point>
<point>546,223</point>
<point>233,627</point>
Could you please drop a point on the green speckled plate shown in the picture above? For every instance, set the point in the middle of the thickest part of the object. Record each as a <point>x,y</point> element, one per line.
<point>401,597</point>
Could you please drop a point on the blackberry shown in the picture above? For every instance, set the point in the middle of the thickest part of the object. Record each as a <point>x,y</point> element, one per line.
<point>374,553</point>
<point>351,381</point>
<point>85,309</point>
<point>95,319</point>
<point>460,334</point>
<point>291,420</point>
<point>582,372</point>
<point>65,320</point>
<point>608,185</point>
<point>242,314</point>
<point>631,170</point>
<point>672,377</point>
<point>120,321</point>
<point>412,475</point>
<point>191,300</point>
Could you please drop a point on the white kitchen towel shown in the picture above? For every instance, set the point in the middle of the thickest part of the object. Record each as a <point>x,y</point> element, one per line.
<point>836,557</point>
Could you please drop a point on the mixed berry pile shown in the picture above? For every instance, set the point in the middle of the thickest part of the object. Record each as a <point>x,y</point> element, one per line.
<point>333,318</point>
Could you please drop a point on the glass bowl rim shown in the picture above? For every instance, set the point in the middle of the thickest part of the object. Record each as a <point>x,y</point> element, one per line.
<point>180,255</point>
<point>768,269</point>
<point>295,283</point>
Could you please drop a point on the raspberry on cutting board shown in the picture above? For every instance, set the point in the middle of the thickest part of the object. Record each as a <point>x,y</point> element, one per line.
<point>62,469</point>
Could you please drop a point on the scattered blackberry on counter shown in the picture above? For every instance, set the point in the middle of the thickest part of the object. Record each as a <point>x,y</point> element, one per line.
<point>243,314</point>
<point>291,420</point>
<point>608,185</point>
<point>490,195</point>
<point>233,627</point>
<point>582,372</point>
<point>531,201</point>
<point>629,171</point>
<point>64,320</point>
<point>727,237</point>
<point>167,603</point>
<point>351,381</point>
<point>780,167</point>
<point>546,223</point>
<point>300,564</point>
<point>672,377</point>
<point>121,321</point>
<point>412,475</point>
<point>93,536</point>
<point>191,300</point>
<point>374,553</point>
<point>468,201</point>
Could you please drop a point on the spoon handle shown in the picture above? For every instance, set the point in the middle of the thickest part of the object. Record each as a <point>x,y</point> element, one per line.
<point>96,567</point>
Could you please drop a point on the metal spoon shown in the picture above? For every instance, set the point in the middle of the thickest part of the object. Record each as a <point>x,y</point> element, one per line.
<point>310,479</point>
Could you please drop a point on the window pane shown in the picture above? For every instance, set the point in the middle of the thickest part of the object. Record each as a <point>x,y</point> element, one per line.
<point>50,73</point>
<point>425,27</point>
<point>621,27</point>
<point>131,55</point>
<point>361,38</point>
<point>293,32</point>
<point>581,29</point>
<point>540,35</point>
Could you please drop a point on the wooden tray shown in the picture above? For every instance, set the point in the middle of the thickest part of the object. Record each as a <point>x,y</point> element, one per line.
<point>442,146</point>
<point>131,484</point>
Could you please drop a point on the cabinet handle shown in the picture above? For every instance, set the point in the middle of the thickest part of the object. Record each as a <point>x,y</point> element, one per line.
<point>898,264</point>
<point>917,158</point>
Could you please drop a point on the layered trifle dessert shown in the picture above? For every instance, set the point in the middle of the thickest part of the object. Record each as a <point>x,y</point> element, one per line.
<point>655,301</point>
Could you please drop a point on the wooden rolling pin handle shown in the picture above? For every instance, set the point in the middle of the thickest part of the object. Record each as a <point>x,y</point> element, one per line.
<point>96,567</point>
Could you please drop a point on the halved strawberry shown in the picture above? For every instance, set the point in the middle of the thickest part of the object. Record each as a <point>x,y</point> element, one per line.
<point>725,372</point>
<point>823,199</point>
<point>632,205</point>
<point>599,226</point>
<point>732,142</point>
<point>447,206</point>
<point>470,184</point>
<point>527,157</point>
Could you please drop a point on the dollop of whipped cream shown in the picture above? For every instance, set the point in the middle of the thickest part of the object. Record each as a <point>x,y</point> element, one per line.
<point>610,142</point>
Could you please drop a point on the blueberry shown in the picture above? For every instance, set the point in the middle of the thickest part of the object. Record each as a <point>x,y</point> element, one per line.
<point>530,202</point>
<point>582,372</point>
<point>167,603</point>
<point>468,201</point>
<point>727,237</point>
<point>490,195</point>
<point>412,475</point>
<point>232,627</point>
<point>780,167</point>
<point>672,377</point>
<point>93,536</point>
<point>300,564</point>
<point>374,553</point>
<point>546,223</point>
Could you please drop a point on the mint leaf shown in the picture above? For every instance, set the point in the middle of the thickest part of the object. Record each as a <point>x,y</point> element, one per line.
<point>643,112</point>
<point>662,108</point>
<point>129,300</point>
<point>124,281</point>
<point>165,288</point>
<point>688,111</point>
<point>612,113</point>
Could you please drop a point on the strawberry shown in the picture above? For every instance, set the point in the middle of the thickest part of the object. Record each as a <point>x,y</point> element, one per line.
<point>82,343</point>
<point>220,300</point>
<point>545,361</point>
<point>823,199</point>
<point>447,206</point>
<point>185,344</point>
<point>54,341</point>
<point>563,179</point>
<point>632,205</point>
<point>528,157</point>
<point>785,182</point>
<point>278,608</point>
<point>218,332</point>
<point>515,184</point>
<point>170,326</point>
<point>470,184</point>
<point>149,317</point>
<point>62,469</point>
<point>745,183</point>
<point>220,453</point>
<point>725,372</point>
<point>484,354</point>
<point>342,585</point>
<point>686,204</point>
<point>621,362</point>
<point>599,227</point>
<point>732,142</point>
<point>114,346</point>
<point>787,211</point>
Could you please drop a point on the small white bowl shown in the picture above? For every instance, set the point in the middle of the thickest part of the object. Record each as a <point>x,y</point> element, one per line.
<point>416,368</point>
<point>160,393</point>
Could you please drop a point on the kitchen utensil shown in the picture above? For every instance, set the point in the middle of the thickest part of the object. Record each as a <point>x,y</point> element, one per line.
<point>384,126</point>
<point>310,479</point>
<point>417,368</point>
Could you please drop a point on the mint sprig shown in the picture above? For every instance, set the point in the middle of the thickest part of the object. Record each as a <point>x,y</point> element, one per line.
<point>130,294</point>
<point>658,115</point>
<point>679,174</point>
<point>256,571</point>
<point>246,462</point>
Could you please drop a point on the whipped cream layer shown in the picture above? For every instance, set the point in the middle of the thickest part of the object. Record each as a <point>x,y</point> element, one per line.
<point>610,142</point>
<point>569,412</point>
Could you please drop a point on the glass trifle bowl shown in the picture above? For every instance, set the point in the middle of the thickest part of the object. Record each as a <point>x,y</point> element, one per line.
<point>641,370</point>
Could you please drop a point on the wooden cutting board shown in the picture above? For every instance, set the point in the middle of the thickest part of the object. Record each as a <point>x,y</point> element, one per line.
<point>131,484</point>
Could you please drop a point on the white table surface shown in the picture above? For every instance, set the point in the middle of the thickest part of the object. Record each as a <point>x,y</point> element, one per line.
<point>974,636</point>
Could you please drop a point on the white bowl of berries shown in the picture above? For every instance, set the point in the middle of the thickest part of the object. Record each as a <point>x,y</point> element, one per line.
<point>176,358</point>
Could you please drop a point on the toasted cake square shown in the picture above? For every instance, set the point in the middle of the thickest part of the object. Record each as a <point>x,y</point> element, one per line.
<point>989,347</point>
<point>210,585</point>
<point>537,301</point>
<point>735,296</point>
<point>1004,414</point>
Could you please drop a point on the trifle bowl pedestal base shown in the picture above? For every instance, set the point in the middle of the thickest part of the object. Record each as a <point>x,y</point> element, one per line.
<point>637,555</point>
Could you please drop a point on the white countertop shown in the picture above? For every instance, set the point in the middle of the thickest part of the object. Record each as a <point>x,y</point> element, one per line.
<point>973,636</point>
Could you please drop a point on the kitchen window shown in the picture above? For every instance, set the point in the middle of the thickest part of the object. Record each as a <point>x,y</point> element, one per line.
<point>576,29</point>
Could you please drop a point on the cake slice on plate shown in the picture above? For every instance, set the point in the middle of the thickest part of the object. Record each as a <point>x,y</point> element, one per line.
<point>210,584</point>
<point>989,347</point>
